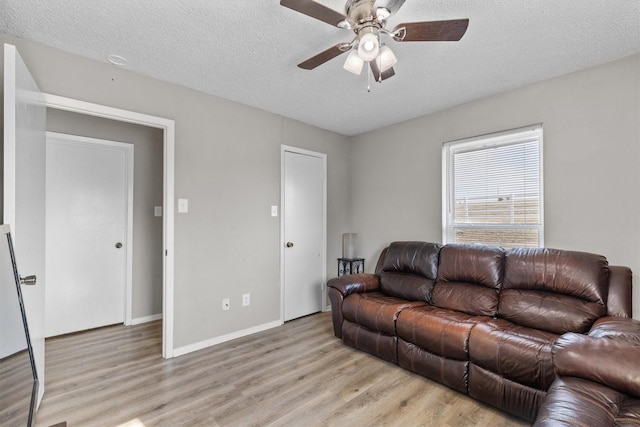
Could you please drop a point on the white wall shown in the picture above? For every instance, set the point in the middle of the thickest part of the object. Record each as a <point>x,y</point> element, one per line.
<point>228,166</point>
<point>591,122</point>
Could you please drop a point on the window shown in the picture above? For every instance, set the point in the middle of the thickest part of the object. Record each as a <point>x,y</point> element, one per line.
<point>492,189</point>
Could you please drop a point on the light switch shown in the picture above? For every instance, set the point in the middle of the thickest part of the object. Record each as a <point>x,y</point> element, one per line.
<point>183,205</point>
<point>274,210</point>
<point>157,211</point>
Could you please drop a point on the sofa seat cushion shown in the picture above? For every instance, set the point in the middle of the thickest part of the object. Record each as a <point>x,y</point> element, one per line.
<point>375,311</point>
<point>514,352</point>
<point>575,401</point>
<point>437,330</point>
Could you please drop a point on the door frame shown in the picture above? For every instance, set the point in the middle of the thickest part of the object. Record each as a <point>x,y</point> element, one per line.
<point>284,149</point>
<point>168,128</point>
<point>128,150</point>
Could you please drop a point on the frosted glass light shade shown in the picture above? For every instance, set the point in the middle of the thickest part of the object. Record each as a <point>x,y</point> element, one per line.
<point>387,58</point>
<point>382,13</point>
<point>369,47</point>
<point>353,64</point>
<point>349,245</point>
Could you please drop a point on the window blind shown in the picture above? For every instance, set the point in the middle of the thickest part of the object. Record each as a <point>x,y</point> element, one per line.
<point>493,191</point>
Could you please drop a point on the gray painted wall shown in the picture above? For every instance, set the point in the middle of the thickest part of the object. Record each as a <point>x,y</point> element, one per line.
<point>386,183</point>
<point>591,122</point>
<point>147,193</point>
<point>228,165</point>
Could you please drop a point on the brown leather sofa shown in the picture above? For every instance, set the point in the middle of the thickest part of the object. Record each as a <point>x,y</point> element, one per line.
<point>598,382</point>
<point>477,318</point>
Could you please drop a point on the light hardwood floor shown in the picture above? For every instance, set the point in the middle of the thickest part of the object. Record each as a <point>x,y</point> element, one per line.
<point>296,375</point>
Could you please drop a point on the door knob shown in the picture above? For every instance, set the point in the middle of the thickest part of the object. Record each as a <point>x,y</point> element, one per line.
<point>118,245</point>
<point>29,280</point>
<point>289,244</point>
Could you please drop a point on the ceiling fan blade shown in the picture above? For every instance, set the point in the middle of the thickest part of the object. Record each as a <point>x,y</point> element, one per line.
<point>315,10</point>
<point>433,31</point>
<point>391,5</point>
<point>323,56</point>
<point>389,72</point>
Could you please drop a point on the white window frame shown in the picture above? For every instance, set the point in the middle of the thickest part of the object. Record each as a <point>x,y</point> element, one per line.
<point>507,137</point>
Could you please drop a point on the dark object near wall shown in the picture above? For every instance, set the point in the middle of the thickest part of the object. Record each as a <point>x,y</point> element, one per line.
<point>18,378</point>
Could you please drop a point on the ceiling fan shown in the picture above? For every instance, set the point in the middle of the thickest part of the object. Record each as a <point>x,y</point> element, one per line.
<point>368,19</point>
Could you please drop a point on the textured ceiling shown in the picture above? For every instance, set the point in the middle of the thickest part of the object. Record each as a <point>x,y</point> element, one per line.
<point>247,51</point>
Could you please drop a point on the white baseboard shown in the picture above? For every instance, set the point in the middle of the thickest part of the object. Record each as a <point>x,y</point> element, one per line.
<point>146,319</point>
<point>224,338</point>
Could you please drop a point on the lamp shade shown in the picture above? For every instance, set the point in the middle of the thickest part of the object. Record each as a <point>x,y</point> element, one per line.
<point>349,245</point>
<point>369,47</point>
<point>387,58</point>
<point>353,64</point>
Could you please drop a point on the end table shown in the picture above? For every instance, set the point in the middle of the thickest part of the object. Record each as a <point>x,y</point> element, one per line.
<point>350,266</point>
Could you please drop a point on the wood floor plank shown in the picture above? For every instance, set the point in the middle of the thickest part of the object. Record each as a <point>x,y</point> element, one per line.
<point>296,375</point>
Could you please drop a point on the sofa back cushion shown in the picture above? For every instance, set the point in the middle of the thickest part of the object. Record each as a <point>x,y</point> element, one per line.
<point>554,290</point>
<point>409,270</point>
<point>469,278</point>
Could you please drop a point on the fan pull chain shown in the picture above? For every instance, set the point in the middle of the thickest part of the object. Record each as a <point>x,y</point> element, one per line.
<point>368,81</point>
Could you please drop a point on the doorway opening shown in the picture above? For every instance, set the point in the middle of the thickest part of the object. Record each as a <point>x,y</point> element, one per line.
<point>167,127</point>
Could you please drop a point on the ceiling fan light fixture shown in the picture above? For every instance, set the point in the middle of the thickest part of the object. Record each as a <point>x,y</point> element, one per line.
<point>382,13</point>
<point>354,63</point>
<point>369,47</point>
<point>368,20</point>
<point>344,24</point>
<point>387,58</point>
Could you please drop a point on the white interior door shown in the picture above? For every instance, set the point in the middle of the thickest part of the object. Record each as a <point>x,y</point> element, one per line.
<point>304,232</point>
<point>24,189</point>
<point>89,186</point>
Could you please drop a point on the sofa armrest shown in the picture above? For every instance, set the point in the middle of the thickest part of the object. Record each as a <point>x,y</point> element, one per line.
<point>619,300</point>
<point>340,287</point>
<point>611,362</point>
<point>618,328</point>
<point>351,283</point>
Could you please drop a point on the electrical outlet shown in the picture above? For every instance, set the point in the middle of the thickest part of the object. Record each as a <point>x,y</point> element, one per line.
<point>226,304</point>
<point>246,299</point>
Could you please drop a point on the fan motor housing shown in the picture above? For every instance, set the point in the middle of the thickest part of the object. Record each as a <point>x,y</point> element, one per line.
<point>360,11</point>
